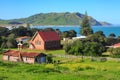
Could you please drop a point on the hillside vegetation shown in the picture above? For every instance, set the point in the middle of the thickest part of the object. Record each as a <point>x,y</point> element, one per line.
<point>52,19</point>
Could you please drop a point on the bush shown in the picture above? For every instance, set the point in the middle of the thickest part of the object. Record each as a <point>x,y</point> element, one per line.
<point>114,52</point>
<point>49,58</point>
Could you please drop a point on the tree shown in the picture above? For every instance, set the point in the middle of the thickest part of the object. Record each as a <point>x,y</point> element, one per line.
<point>118,39</point>
<point>69,34</point>
<point>93,49</point>
<point>85,26</point>
<point>114,52</point>
<point>11,42</point>
<point>100,33</point>
<point>111,41</point>
<point>65,34</point>
<point>1,40</point>
<point>97,37</point>
<point>72,33</point>
<point>112,35</point>
<point>84,47</point>
<point>4,31</point>
<point>75,48</point>
<point>20,31</point>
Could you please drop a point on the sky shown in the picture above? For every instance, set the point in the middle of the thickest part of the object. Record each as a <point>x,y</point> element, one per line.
<point>101,10</point>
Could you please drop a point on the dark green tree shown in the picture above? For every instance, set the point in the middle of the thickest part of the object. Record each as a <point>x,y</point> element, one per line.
<point>100,33</point>
<point>69,34</point>
<point>112,35</point>
<point>72,33</point>
<point>111,41</point>
<point>97,37</point>
<point>85,26</point>
<point>4,31</point>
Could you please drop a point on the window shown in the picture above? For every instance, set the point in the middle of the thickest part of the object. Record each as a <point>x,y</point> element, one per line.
<point>37,42</point>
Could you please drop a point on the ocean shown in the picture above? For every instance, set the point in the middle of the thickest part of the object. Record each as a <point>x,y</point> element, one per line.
<point>106,29</point>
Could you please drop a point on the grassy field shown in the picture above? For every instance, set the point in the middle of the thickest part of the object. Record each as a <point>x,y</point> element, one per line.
<point>68,69</point>
<point>73,69</point>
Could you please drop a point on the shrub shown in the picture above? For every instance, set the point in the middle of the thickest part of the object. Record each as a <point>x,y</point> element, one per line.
<point>114,52</point>
<point>49,58</point>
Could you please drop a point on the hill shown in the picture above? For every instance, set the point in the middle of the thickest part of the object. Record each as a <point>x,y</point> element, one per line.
<point>53,19</point>
<point>105,23</point>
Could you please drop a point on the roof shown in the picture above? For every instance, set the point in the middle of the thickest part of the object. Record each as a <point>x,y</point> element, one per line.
<point>22,38</point>
<point>23,54</point>
<point>79,37</point>
<point>118,44</point>
<point>49,35</point>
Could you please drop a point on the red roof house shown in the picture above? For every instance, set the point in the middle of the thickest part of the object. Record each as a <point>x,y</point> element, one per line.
<point>27,57</point>
<point>45,40</point>
<point>116,45</point>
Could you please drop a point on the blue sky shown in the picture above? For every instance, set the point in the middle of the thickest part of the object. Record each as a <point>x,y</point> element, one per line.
<point>101,10</point>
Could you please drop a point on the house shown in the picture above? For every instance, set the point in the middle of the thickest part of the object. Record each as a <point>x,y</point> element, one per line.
<point>45,40</point>
<point>116,45</point>
<point>27,57</point>
<point>24,39</point>
<point>79,37</point>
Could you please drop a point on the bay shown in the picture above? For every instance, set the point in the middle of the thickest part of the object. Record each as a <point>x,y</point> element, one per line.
<point>106,29</point>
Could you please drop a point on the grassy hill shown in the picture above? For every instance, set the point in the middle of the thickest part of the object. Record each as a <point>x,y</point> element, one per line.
<point>52,19</point>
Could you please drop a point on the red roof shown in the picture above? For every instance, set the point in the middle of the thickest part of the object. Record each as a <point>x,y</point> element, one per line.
<point>49,35</point>
<point>118,44</point>
<point>23,54</point>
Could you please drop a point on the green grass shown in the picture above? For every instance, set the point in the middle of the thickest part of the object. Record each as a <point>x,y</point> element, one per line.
<point>69,69</point>
<point>0,57</point>
<point>61,51</point>
<point>74,69</point>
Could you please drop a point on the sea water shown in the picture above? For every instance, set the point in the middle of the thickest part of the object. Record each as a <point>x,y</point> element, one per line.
<point>106,29</point>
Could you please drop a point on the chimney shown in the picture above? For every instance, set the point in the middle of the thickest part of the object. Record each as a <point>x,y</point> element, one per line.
<point>20,50</point>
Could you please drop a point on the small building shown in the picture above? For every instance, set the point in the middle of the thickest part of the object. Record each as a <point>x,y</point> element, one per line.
<point>116,45</point>
<point>27,57</point>
<point>45,40</point>
<point>79,37</point>
<point>24,39</point>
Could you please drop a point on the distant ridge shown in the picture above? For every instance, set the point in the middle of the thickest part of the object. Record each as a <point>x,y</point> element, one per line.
<point>53,19</point>
<point>105,23</point>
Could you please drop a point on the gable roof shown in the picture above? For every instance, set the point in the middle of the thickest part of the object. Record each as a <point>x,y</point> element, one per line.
<point>49,35</point>
<point>23,54</point>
